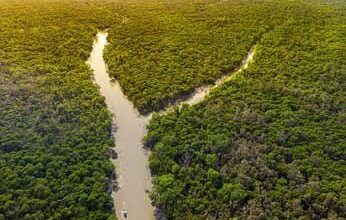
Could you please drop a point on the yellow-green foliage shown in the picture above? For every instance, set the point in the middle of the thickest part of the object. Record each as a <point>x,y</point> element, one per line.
<point>162,51</point>
<point>54,127</point>
<point>268,145</point>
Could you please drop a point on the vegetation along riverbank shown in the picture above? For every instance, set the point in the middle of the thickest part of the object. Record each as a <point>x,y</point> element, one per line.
<point>269,144</point>
<point>55,130</point>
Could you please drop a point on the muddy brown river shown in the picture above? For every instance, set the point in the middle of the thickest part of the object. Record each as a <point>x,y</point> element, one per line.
<point>132,170</point>
<point>133,175</point>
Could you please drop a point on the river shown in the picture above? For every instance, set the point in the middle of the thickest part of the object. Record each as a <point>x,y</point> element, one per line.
<point>132,169</point>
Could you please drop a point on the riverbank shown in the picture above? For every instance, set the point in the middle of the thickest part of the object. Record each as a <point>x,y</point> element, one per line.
<point>132,171</point>
<point>133,179</point>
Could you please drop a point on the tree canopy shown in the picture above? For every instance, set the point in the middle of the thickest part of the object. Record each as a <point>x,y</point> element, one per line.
<point>55,130</point>
<point>269,144</point>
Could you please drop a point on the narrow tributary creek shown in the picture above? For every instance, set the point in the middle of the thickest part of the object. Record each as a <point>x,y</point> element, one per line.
<point>132,170</point>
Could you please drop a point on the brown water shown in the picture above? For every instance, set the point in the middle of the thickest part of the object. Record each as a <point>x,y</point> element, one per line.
<point>201,92</point>
<point>133,176</point>
<point>132,170</point>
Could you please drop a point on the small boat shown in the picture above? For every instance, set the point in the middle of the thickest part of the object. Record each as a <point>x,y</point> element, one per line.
<point>124,213</point>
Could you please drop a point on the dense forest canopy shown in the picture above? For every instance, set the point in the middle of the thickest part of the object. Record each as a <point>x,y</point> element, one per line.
<point>269,144</point>
<point>161,52</point>
<point>55,130</point>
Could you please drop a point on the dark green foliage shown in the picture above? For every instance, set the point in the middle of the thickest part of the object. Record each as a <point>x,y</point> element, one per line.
<point>54,126</point>
<point>162,51</point>
<point>269,144</point>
